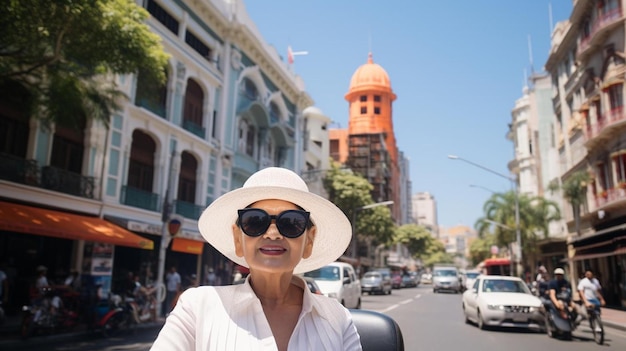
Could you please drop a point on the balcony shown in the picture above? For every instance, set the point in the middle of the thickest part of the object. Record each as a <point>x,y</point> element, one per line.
<point>67,182</point>
<point>610,121</point>
<point>188,209</point>
<point>193,128</point>
<point>19,170</point>
<point>612,197</point>
<point>152,106</point>
<point>140,198</point>
<point>600,26</point>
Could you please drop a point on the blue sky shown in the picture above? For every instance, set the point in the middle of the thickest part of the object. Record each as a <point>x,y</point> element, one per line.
<point>457,68</point>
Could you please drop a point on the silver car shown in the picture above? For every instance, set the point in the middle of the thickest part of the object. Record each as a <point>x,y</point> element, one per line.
<point>376,283</point>
<point>446,279</point>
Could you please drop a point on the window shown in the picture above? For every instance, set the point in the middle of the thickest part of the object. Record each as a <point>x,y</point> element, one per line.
<point>249,89</point>
<point>598,108</point>
<point>552,135</point>
<point>250,141</point>
<point>187,179</point>
<point>141,164</point>
<point>198,45</point>
<point>363,110</point>
<point>376,110</point>
<point>620,168</point>
<point>163,16</point>
<point>194,98</point>
<point>214,125</point>
<point>616,96</point>
<point>376,98</point>
<point>363,98</point>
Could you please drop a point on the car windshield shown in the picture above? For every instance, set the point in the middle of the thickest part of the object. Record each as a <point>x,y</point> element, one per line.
<point>504,286</point>
<point>324,273</point>
<point>445,273</point>
<point>472,275</point>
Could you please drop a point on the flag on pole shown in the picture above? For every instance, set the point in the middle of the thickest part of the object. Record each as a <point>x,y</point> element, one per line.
<point>289,55</point>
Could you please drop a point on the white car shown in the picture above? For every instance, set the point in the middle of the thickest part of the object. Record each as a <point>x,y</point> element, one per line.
<point>469,277</point>
<point>501,301</point>
<point>338,281</point>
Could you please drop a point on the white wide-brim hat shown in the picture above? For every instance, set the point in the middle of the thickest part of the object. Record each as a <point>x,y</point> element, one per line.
<point>333,229</point>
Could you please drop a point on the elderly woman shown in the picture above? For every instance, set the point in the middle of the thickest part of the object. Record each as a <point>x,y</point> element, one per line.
<point>274,226</point>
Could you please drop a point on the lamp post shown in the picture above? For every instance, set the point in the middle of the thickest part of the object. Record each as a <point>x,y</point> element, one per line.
<point>518,237</point>
<point>353,244</point>
<point>482,187</point>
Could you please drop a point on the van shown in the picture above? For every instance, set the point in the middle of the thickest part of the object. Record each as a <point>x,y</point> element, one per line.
<point>446,278</point>
<point>338,280</point>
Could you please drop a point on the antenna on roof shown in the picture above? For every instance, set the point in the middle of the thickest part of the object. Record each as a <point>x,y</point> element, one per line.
<point>530,56</point>
<point>550,17</point>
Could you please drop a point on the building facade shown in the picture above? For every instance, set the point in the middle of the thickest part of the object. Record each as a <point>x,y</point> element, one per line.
<point>424,212</point>
<point>587,66</point>
<point>230,106</point>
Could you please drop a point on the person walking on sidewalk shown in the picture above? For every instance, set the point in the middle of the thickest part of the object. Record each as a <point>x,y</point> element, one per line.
<point>173,284</point>
<point>590,292</point>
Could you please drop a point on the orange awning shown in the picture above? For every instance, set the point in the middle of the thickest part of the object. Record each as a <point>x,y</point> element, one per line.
<point>34,220</point>
<point>187,246</point>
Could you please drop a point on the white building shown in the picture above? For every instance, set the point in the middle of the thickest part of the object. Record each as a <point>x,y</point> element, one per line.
<point>424,210</point>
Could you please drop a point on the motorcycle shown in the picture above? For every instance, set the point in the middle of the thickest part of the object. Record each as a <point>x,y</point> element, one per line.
<point>560,322</point>
<point>125,313</point>
<point>47,313</point>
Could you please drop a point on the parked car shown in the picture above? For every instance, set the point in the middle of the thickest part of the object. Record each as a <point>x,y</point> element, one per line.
<point>396,281</point>
<point>501,301</point>
<point>310,282</point>
<point>375,283</point>
<point>446,279</point>
<point>338,280</point>
<point>408,281</point>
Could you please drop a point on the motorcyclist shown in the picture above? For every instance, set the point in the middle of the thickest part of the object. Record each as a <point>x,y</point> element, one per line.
<point>560,286</point>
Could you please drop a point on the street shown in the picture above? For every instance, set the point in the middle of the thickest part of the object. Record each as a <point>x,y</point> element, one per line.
<point>428,321</point>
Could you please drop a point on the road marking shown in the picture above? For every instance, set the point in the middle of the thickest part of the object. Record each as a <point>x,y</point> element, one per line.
<point>406,301</point>
<point>390,308</point>
<point>418,296</point>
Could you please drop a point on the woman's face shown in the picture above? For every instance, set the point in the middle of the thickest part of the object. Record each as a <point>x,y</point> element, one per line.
<point>272,252</point>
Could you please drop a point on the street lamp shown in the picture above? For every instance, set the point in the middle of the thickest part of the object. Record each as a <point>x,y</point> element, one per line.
<point>354,212</point>
<point>518,237</point>
<point>483,187</point>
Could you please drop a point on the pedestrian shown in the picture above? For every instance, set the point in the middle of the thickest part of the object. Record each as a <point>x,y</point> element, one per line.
<point>42,279</point>
<point>277,229</point>
<point>173,285</point>
<point>211,277</point>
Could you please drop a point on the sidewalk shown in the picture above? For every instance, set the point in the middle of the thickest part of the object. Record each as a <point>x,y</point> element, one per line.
<point>615,319</point>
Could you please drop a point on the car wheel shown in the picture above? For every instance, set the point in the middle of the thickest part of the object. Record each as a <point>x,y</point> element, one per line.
<point>434,290</point>
<point>479,320</point>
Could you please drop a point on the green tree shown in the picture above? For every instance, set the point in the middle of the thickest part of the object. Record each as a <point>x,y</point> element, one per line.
<point>64,53</point>
<point>351,191</point>
<point>535,214</point>
<point>480,248</point>
<point>574,190</point>
<point>421,244</point>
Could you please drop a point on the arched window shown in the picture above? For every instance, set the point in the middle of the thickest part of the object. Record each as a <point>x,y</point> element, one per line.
<point>250,136</point>
<point>275,115</point>
<point>250,89</point>
<point>187,179</point>
<point>194,99</point>
<point>141,164</point>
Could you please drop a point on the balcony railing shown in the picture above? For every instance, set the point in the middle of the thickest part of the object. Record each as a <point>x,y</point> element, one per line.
<point>610,196</point>
<point>188,209</point>
<point>194,128</point>
<point>609,119</point>
<point>19,170</point>
<point>152,106</point>
<point>140,198</point>
<point>67,182</point>
<point>600,23</point>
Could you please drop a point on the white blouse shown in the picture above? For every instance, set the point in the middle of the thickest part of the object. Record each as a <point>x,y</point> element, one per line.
<point>231,318</point>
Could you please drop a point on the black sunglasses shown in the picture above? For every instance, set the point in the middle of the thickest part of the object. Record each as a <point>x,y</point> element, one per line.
<point>290,223</point>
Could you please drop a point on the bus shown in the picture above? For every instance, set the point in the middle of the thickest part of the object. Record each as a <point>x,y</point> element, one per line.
<point>495,266</point>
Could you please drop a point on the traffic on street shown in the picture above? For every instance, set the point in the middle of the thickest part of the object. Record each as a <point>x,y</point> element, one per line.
<point>428,321</point>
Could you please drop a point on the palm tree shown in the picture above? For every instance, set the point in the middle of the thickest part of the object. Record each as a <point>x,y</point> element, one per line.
<point>574,190</point>
<point>535,214</point>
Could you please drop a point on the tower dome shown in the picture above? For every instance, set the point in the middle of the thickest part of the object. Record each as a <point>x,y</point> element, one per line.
<point>370,76</point>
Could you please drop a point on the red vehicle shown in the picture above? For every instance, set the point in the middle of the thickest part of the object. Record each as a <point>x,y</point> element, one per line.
<point>396,281</point>
<point>496,266</point>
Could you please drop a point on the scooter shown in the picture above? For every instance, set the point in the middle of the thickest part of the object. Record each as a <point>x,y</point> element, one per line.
<point>559,323</point>
<point>47,313</point>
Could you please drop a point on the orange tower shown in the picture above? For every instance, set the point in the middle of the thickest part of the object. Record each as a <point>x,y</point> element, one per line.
<point>372,143</point>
